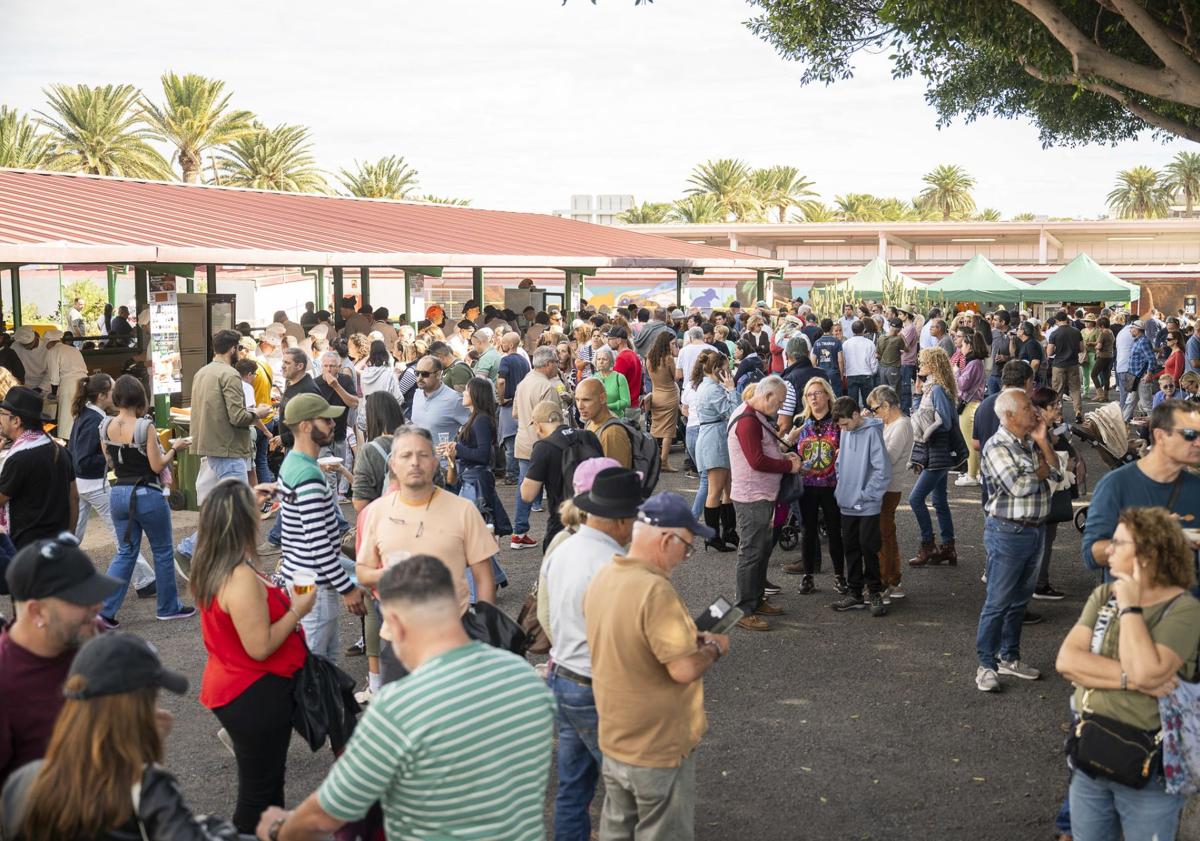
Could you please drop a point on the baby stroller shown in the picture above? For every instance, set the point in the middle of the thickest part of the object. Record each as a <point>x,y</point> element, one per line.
<point>1106,432</point>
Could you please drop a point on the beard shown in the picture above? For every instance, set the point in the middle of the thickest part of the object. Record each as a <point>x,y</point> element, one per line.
<point>322,438</point>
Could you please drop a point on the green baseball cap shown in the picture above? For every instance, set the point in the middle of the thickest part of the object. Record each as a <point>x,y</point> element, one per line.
<point>304,407</point>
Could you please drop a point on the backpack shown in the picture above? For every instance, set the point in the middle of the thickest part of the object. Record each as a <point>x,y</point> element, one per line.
<point>752,376</point>
<point>646,455</point>
<point>580,445</point>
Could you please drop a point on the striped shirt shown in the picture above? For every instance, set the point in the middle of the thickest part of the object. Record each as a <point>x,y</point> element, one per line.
<point>310,535</point>
<point>458,749</point>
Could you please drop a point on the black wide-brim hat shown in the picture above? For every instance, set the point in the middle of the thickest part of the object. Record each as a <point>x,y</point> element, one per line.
<point>616,494</point>
<point>25,403</point>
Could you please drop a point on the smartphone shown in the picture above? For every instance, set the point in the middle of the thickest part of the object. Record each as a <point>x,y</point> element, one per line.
<point>719,617</point>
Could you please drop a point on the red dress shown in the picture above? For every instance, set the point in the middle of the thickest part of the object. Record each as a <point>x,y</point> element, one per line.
<point>230,670</point>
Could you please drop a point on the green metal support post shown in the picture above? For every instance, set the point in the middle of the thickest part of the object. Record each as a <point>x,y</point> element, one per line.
<point>319,289</point>
<point>408,297</point>
<point>477,286</point>
<point>679,288</point>
<point>568,298</point>
<point>210,279</point>
<point>16,295</point>
<point>339,288</point>
<point>760,287</point>
<point>364,283</point>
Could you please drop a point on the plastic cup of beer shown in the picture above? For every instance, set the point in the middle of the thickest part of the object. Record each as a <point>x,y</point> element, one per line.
<point>303,581</point>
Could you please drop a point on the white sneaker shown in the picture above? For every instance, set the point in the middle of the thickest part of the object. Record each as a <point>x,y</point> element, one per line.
<point>896,591</point>
<point>966,480</point>
<point>986,680</point>
<point>364,696</point>
<point>1018,669</point>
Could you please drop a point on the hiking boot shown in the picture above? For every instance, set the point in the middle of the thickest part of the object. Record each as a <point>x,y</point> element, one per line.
<point>807,587</point>
<point>986,680</point>
<point>878,608</point>
<point>946,552</point>
<point>796,568</point>
<point>753,623</point>
<point>926,555</point>
<point>840,586</point>
<point>849,602</point>
<point>765,608</point>
<point>1018,669</point>
<point>770,589</point>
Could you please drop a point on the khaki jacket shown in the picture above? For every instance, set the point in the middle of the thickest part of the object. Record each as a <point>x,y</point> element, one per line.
<point>220,420</point>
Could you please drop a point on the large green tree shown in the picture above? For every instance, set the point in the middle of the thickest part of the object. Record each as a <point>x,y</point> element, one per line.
<point>277,158</point>
<point>99,130</point>
<point>194,118</point>
<point>698,209</point>
<point>948,192</point>
<point>22,146</point>
<point>1183,177</point>
<point>1141,193</point>
<point>1082,70</point>
<point>727,180</point>
<point>647,213</point>
<point>386,178</point>
<point>780,188</point>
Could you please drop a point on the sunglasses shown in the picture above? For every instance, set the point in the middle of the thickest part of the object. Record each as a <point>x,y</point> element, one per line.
<point>873,409</point>
<point>1188,435</point>
<point>421,374</point>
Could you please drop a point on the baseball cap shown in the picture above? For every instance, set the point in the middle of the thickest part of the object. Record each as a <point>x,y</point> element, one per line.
<point>547,411</point>
<point>618,332</point>
<point>270,337</point>
<point>114,663</point>
<point>587,470</point>
<point>896,323</point>
<point>676,314</point>
<point>58,569</point>
<point>304,407</point>
<point>246,343</point>
<point>1139,324</point>
<point>668,510</point>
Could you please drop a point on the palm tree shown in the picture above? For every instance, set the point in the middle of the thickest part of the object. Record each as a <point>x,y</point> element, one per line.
<point>1141,193</point>
<point>99,131</point>
<point>728,181</point>
<point>780,188</point>
<point>698,209</point>
<point>21,146</point>
<point>1183,176</point>
<point>892,209</point>
<point>1025,217</point>
<point>646,213</point>
<point>988,214</point>
<point>432,199</point>
<point>814,210</point>
<point>194,118</point>
<point>272,159</point>
<point>949,191</point>
<point>858,207</point>
<point>386,178</point>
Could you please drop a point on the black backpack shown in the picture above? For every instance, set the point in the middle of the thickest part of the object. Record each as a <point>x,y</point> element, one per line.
<point>577,446</point>
<point>647,459</point>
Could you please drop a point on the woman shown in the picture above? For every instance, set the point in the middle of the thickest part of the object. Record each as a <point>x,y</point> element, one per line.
<point>817,439</point>
<point>721,338</point>
<point>1174,361</point>
<point>471,456</point>
<point>1029,348</point>
<point>932,455</point>
<point>358,349</point>
<point>585,344</point>
<point>1049,402</point>
<point>378,375</point>
<point>687,402</point>
<point>971,382</point>
<point>1105,351</point>
<point>1132,639</point>
<point>616,387</point>
<point>757,334</point>
<point>136,456</point>
<point>101,778</point>
<point>106,319</point>
<point>251,630</point>
<point>750,365</point>
<point>1090,334</point>
<point>664,397</point>
<point>564,380</point>
<point>715,400</point>
<point>1189,386</point>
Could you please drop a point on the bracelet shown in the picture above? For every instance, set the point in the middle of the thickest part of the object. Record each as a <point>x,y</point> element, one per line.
<point>292,611</point>
<point>1124,681</point>
<point>1130,609</point>
<point>276,826</point>
<point>716,647</point>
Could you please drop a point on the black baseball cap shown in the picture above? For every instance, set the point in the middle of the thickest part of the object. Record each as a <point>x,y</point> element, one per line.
<point>114,663</point>
<point>58,569</point>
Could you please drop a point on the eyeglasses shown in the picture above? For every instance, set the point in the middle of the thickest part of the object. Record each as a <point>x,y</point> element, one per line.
<point>691,547</point>
<point>425,374</point>
<point>1188,435</point>
<point>875,408</point>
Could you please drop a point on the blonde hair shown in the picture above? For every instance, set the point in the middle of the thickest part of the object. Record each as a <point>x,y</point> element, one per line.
<point>7,381</point>
<point>935,359</point>
<point>806,412</point>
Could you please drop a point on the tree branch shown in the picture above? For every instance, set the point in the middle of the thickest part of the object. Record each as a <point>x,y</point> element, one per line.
<point>1158,39</point>
<point>1132,106</point>
<point>1089,59</point>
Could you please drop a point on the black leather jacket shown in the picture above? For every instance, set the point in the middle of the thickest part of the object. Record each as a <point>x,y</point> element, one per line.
<point>161,809</point>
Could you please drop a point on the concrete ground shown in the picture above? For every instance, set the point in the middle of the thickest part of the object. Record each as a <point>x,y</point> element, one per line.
<point>828,726</point>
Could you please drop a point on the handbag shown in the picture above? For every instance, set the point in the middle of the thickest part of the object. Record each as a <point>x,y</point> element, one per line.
<point>1180,716</point>
<point>1104,747</point>
<point>527,618</point>
<point>489,624</point>
<point>791,485</point>
<point>1061,510</point>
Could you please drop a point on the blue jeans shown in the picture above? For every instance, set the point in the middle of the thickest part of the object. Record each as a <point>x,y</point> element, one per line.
<point>908,373</point>
<point>578,758</point>
<point>510,460</point>
<point>321,623</point>
<point>993,382</point>
<point>224,468</point>
<point>479,486</point>
<point>1013,554</point>
<point>151,514</point>
<point>931,482</point>
<point>859,387</point>
<point>835,381</point>
<point>521,524</point>
<point>1102,810</point>
<point>262,469</point>
<point>689,441</point>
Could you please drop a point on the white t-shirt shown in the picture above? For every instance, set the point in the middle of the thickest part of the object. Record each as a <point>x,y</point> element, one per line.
<point>687,357</point>
<point>687,398</point>
<point>859,354</point>
<point>248,394</point>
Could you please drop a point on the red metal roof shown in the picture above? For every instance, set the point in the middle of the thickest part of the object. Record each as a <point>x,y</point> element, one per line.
<point>54,218</point>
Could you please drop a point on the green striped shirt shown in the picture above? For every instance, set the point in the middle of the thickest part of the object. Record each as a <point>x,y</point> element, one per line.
<point>459,749</point>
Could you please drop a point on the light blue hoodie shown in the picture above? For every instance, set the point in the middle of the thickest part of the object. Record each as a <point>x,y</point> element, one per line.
<point>864,469</point>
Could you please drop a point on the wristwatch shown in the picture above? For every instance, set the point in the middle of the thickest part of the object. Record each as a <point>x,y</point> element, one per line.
<point>1130,609</point>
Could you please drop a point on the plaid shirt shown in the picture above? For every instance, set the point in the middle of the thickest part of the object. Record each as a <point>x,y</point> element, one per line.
<point>1141,357</point>
<point>1009,466</point>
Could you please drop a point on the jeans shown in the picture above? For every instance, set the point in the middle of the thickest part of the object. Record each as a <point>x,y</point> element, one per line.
<point>931,482</point>
<point>578,758</point>
<point>321,624</point>
<point>861,539</point>
<point>510,460</point>
<point>888,375</point>
<point>498,576</point>
<point>908,373</point>
<point>224,468</point>
<point>1121,388</point>
<point>479,486</point>
<point>859,387</point>
<point>341,450</point>
<point>521,525</point>
<point>1129,394</point>
<point>1013,553</point>
<point>259,723</point>
<point>754,521</point>
<point>262,470</point>
<point>693,432</point>
<point>143,574</point>
<point>649,804</point>
<point>817,500</point>
<point>835,381</point>
<point>993,382</point>
<point>1102,810</point>
<point>151,515</point>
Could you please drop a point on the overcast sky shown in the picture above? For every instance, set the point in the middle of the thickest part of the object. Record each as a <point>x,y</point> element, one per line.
<point>517,104</point>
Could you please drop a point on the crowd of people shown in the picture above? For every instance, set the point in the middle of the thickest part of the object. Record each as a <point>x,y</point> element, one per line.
<point>377,452</point>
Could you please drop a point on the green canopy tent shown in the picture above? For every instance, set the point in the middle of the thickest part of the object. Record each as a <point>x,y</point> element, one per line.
<point>979,280</point>
<point>1083,281</point>
<point>870,280</point>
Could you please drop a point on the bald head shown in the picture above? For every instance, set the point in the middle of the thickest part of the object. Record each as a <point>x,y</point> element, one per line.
<point>509,342</point>
<point>592,400</point>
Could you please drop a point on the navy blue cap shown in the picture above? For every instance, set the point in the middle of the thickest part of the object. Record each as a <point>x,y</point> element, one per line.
<point>668,511</point>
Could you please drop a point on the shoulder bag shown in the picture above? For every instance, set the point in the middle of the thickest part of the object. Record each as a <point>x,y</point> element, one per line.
<point>791,485</point>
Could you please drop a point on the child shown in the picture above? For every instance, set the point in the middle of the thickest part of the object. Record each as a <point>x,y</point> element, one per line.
<point>864,472</point>
<point>247,369</point>
<point>1166,389</point>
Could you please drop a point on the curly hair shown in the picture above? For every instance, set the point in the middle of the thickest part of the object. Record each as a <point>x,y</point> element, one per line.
<point>660,354</point>
<point>935,359</point>
<point>1159,542</point>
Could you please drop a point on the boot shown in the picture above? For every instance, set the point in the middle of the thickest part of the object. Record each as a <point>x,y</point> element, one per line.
<point>927,554</point>
<point>729,524</point>
<point>948,553</point>
<point>712,519</point>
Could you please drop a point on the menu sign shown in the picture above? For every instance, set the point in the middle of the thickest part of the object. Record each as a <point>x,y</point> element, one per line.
<point>166,364</point>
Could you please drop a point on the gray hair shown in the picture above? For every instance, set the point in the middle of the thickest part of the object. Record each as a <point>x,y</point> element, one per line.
<point>605,350</point>
<point>772,383</point>
<point>543,356</point>
<point>406,430</point>
<point>884,394</point>
<point>331,354</point>
<point>695,334</point>
<point>797,346</point>
<point>484,333</point>
<point>1009,401</point>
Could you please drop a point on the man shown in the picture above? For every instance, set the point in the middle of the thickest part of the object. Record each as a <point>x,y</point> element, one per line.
<point>686,360</point>
<point>650,331</point>
<point>338,389</point>
<point>908,356</point>
<point>384,326</point>
<point>883,403</point>
<point>1063,352</point>
<point>120,331</point>
<point>64,369</point>
<point>311,538</point>
<point>927,339</point>
<point>468,713</point>
<point>57,598</point>
<point>861,363</point>
<point>353,321</point>
<point>471,313</point>
<point>592,403</point>
<point>512,370</point>
<point>546,472</point>
<point>756,467</point>
<point>848,319</point>
<point>32,353</point>
<point>297,380</point>
<point>1161,477</point>
<point>795,377</point>
<point>1001,349</point>
<point>308,318</point>
<point>1016,464</point>
<point>37,481</point>
<point>262,385</point>
<point>537,324</point>
<point>460,342</point>
<point>1142,364</point>
<point>1124,347</point>
<point>628,363</point>
<point>1017,374</point>
<point>611,506</point>
<point>648,664</point>
<point>455,372</point>
<point>811,329</point>
<point>290,328</point>
<point>536,387</point>
<point>940,333</point>
<point>75,322</point>
<point>827,356</point>
<point>437,408</point>
<point>488,363</point>
<point>270,350</point>
<point>888,348</point>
